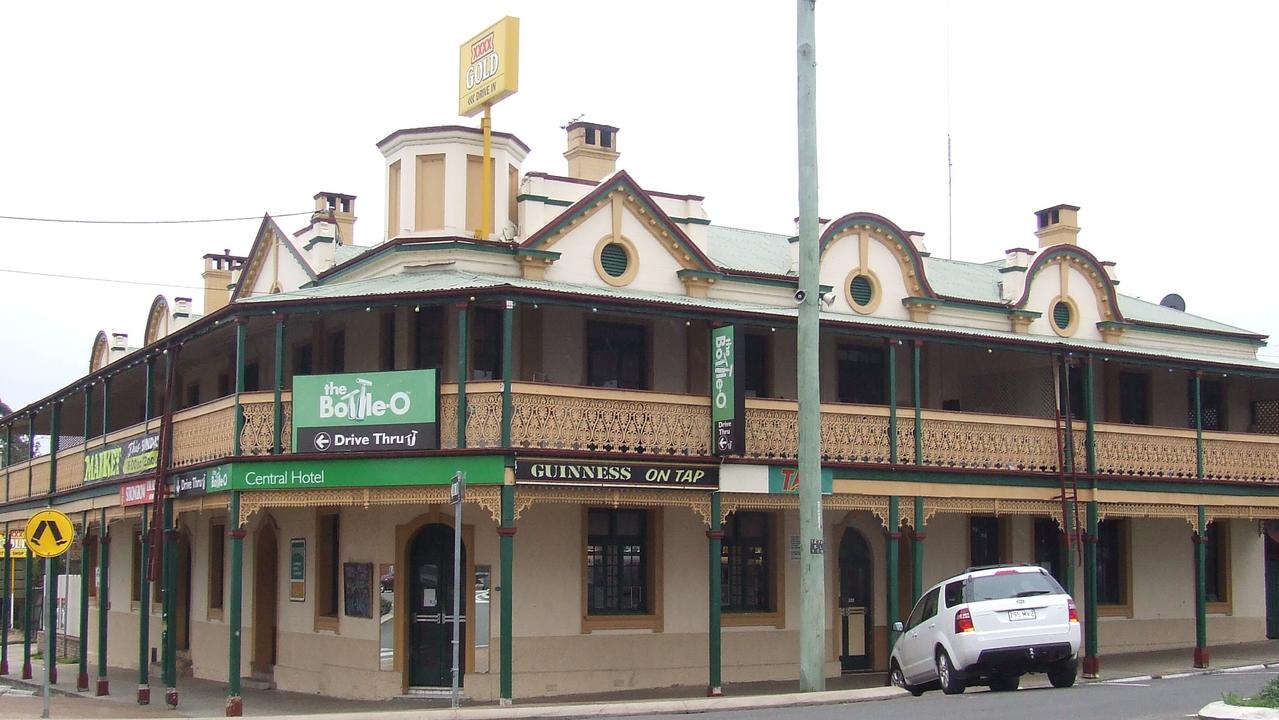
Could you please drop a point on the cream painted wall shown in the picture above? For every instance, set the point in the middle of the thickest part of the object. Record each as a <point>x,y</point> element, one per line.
<point>1046,286</point>
<point>839,259</point>
<point>576,265</point>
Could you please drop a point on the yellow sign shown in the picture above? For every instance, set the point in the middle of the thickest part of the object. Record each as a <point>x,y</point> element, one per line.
<point>490,67</point>
<point>49,533</point>
<point>17,545</point>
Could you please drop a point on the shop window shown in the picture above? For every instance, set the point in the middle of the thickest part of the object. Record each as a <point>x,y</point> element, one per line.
<point>327,568</point>
<point>429,348</point>
<point>616,355</point>
<point>1048,548</point>
<point>1113,567</point>
<point>622,569</point>
<point>1134,398</point>
<point>1217,566</point>
<point>862,375</point>
<point>217,568</point>
<point>486,344</point>
<point>746,563</point>
<point>337,351</point>
<point>1211,404</point>
<point>984,546</point>
<point>757,366</point>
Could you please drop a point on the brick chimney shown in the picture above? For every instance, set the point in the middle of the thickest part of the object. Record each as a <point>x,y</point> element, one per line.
<point>592,150</point>
<point>220,271</point>
<point>1057,225</point>
<point>338,209</point>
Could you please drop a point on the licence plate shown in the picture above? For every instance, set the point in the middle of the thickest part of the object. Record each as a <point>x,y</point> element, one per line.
<point>1021,614</point>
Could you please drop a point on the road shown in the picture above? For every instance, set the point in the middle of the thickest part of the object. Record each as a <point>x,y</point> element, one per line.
<point>1139,700</point>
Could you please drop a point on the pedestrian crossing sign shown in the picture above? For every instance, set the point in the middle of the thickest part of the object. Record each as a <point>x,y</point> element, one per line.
<point>49,533</point>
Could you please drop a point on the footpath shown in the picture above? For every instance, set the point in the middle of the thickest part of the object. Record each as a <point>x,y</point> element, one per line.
<point>206,698</point>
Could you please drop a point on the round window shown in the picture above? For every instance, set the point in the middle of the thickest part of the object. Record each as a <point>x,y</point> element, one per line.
<point>1062,315</point>
<point>862,290</point>
<point>614,259</point>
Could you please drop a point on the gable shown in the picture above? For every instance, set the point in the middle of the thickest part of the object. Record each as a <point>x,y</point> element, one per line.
<point>1072,293</point>
<point>273,264</point>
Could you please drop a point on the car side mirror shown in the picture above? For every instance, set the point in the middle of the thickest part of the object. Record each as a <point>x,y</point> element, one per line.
<point>898,627</point>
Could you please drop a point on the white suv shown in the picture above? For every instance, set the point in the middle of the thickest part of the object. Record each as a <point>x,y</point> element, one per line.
<point>988,626</point>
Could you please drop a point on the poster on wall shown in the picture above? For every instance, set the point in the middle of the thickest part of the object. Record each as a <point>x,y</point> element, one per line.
<point>728,399</point>
<point>297,569</point>
<point>357,589</point>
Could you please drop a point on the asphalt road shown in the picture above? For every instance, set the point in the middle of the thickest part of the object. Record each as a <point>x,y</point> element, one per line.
<point>1163,699</point>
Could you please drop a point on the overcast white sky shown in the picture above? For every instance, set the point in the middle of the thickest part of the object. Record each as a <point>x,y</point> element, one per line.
<point>1158,119</point>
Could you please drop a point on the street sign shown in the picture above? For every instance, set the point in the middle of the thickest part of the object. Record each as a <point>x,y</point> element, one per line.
<point>49,534</point>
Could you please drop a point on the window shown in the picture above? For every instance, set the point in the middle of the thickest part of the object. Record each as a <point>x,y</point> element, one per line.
<point>486,344</point>
<point>303,359</point>
<point>756,380</point>
<point>193,394</point>
<point>1134,398</point>
<point>616,260</point>
<point>135,586</point>
<point>616,355</point>
<point>252,377</point>
<point>217,569</point>
<point>1048,553</point>
<point>954,593</point>
<point>1074,401</point>
<point>1217,565</point>
<point>429,349</point>
<point>617,561</point>
<point>1211,401</point>
<point>745,564</point>
<point>387,359</point>
<point>337,351</point>
<point>984,547</point>
<point>862,376</point>
<point>1112,565</point>
<point>327,565</point>
<point>224,385</point>
<point>924,609</point>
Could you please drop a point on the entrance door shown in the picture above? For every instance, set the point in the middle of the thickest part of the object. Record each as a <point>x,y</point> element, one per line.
<point>1272,580</point>
<point>431,608</point>
<point>855,626</point>
<point>266,561</point>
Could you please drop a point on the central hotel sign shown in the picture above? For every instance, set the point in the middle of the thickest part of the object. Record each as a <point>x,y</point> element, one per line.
<point>366,412</point>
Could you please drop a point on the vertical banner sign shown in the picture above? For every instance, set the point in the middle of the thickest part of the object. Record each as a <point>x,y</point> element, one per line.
<point>728,401</point>
<point>489,67</point>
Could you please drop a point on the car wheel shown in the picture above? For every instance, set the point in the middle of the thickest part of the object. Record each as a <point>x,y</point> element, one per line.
<point>1005,683</point>
<point>1062,673</point>
<point>896,677</point>
<point>947,676</point>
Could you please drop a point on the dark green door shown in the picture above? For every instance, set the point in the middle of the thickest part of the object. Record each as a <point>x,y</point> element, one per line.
<point>431,609</point>
<point>1272,580</point>
<point>855,626</point>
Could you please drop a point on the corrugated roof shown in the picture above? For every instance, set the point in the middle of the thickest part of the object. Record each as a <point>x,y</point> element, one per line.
<point>748,250</point>
<point>345,253</point>
<point>958,279</point>
<point>1137,309</point>
<point>444,280</point>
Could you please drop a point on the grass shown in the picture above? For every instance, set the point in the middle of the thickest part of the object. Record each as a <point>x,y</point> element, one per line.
<point>1267,698</point>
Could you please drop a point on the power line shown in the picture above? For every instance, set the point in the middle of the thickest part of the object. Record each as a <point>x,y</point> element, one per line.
<point>100,279</point>
<point>144,222</point>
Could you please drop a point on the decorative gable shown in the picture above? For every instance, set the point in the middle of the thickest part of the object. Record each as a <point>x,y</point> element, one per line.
<point>273,264</point>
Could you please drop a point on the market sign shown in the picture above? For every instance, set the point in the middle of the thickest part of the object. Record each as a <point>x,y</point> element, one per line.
<point>139,492</point>
<point>785,480</point>
<point>579,472</point>
<point>190,484</point>
<point>489,67</point>
<point>17,545</point>
<point>366,412</point>
<point>728,400</point>
<point>294,474</point>
<point>123,459</point>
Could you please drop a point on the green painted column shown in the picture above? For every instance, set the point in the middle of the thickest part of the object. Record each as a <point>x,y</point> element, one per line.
<point>6,591</point>
<point>917,548</point>
<point>463,371</point>
<point>1199,428</point>
<point>234,703</point>
<point>715,583</point>
<point>144,616</point>
<point>8,458</point>
<point>1092,662</point>
<point>104,601</point>
<point>894,550</point>
<point>1201,600</point>
<point>1069,570</point>
<point>86,577</point>
<point>278,408</point>
<point>88,413</point>
<point>27,597</point>
<point>917,543</point>
<point>55,436</point>
<point>892,403</point>
<point>51,618</point>
<point>508,372</point>
<point>169,585</point>
<point>1090,417</point>
<point>506,550</point>
<point>106,398</point>
<point>241,340</point>
<point>31,453</point>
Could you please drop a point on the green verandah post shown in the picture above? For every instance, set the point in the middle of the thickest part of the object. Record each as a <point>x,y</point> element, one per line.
<point>144,616</point>
<point>463,325</point>
<point>1201,604</point>
<point>86,577</point>
<point>169,574</point>
<point>27,599</point>
<point>1091,662</point>
<point>278,406</point>
<point>51,583</point>
<point>919,535</point>
<point>104,602</point>
<point>506,532</point>
<point>234,703</point>
<point>716,537</point>
<point>6,601</point>
<point>894,521</point>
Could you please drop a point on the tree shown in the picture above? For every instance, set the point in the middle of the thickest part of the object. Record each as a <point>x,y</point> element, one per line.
<point>21,449</point>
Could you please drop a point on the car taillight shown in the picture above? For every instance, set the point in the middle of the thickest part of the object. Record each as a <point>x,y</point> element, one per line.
<point>963,621</point>
<point>1074,614</point>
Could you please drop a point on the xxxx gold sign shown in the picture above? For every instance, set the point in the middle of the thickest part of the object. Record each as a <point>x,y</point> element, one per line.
<point>489,67</point>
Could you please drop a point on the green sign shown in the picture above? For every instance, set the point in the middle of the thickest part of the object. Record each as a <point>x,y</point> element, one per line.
<point>123,459</point>
<point>728,402</point>
<point>358,472</point>
<point>785,480</point>
<point>366,412</point>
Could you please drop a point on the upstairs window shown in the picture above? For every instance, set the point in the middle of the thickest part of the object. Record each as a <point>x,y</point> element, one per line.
<point>757,366</point>
<point>1134,398</point>
<point>486,344</point>
<point>862,375</point>
<point>1212,412</point>
<point>616,355</point>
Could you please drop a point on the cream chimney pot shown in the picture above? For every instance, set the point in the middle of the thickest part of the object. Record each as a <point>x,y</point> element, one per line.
<point>1057,225</point>
<point>592,151</point>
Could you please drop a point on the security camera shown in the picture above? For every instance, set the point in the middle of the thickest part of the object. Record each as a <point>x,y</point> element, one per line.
<point>828,298</point>
<point>799,297</point>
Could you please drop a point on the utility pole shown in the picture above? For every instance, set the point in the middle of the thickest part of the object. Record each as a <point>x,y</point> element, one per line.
<point>812,580</point>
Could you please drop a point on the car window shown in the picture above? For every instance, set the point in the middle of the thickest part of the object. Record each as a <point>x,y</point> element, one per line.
<point>916,615</point>
<point>954,593</point>
<point>930,603</point>
<point>1013,585</point>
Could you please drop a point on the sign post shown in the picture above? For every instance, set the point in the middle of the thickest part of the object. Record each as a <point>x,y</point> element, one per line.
<point>49,534</point>
<point>489,70</point>
<point>456,492</point>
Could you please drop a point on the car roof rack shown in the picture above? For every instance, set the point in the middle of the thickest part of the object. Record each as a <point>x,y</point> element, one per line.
<point>976,568</point>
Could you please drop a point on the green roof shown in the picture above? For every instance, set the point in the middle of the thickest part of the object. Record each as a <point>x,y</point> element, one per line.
<point>748,250</point>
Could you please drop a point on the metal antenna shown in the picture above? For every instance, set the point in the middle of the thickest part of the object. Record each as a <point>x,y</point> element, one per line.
<point>950,183</point>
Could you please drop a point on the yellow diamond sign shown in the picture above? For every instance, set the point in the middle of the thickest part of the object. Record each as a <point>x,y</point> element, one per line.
<point>49,533</point>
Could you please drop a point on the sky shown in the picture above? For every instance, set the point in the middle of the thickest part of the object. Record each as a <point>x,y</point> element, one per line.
<point>1158,119</point>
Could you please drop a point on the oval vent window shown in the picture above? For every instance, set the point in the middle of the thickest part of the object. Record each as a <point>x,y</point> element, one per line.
<point>614,260</point>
